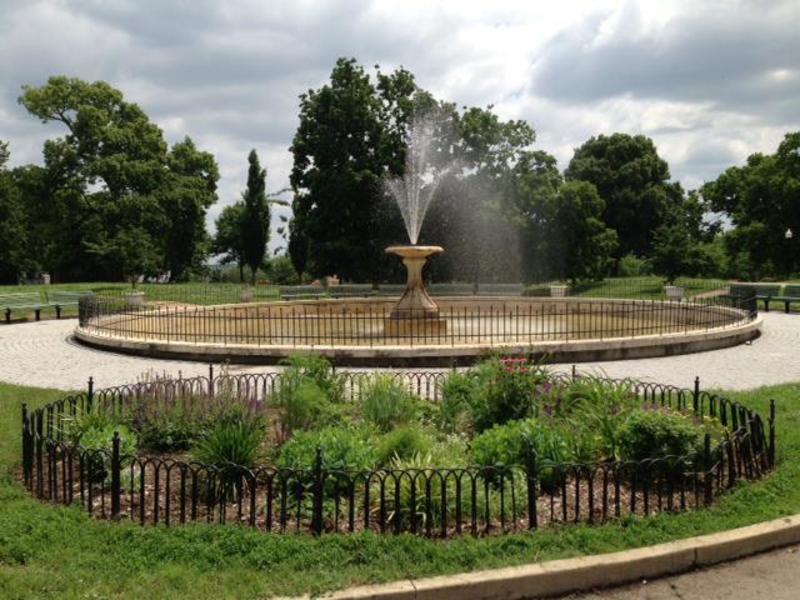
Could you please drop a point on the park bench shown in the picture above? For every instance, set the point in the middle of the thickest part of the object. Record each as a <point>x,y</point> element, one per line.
<point>22,301</point>
<point>59,300</point>
<point>765,293</point>
<point>789,295</point>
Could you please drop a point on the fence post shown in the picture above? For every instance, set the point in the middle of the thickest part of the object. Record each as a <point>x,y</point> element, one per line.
<point>533,521</point>
<point>731,461</point>
<point>319,489</point>
<point>708,477</point>
<point>696,396</point>
<point>90,394</point>
<point>26,467</point>
<point>772,434</point>
<point>574,372</point>
<point>116,467</point>
<point>211,380</point>
<point>39,453</point>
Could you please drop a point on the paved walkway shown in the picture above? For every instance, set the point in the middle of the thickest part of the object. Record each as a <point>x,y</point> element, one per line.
<point>45,355</point>
<point>771,576</point>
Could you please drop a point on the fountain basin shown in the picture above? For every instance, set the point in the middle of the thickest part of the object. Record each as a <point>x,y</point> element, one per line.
<point>416,313</point>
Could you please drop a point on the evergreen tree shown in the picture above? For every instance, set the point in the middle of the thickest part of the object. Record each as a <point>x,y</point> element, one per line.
<point>255,225</point>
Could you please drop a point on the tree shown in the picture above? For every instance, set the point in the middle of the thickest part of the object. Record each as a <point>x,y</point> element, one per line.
<point>129,250</point>
<point>584,241</point>
<point>342,149</point>
<point>633,181</point>
<point>111,173</point>
<point>255,224</point>
<point>761,200</point>
<point>14,245</point>
<point>229,240</point>
<point>188,192</point>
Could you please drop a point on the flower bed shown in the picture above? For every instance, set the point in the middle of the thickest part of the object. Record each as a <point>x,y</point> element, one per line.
<point>312,449</point>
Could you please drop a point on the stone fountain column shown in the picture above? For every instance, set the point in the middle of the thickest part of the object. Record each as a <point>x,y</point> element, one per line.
<point>416,313</point>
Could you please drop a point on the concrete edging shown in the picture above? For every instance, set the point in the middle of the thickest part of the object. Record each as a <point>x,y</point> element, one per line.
<point>558,577</point>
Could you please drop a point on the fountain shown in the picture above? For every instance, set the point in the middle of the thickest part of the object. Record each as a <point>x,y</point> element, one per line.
<point>416,330</point>
<point>416,312</point>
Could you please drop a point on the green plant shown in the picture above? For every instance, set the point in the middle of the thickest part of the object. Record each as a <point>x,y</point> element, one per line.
<point>170,428</point>
<point>454,408</point>
<point>93,432</point>
<point>343,448</point>
<point>386,403</point>
<point>403,443</point>
<point>506,391</point>
<point>657,433</point>
<point>319,370</point>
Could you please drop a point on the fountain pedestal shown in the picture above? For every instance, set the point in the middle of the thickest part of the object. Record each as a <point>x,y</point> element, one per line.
<point>416,313</point>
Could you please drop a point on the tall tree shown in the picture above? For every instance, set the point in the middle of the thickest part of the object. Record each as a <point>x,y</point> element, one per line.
<point>584,241</point>
<point>761,200</point>
<point>14,242</point>
<point>342,150</point>
<point>633,181</point>
<point>112,173</point>
<point>255,225</point>
<point>188,192</point>
<point>229,240</point>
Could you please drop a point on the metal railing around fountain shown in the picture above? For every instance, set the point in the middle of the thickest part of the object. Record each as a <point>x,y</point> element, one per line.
<point>347,323</point>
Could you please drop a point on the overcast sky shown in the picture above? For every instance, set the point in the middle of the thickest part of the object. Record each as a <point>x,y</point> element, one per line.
<point>709,81</point>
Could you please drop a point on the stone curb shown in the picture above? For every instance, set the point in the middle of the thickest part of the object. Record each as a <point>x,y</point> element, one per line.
<point>559,577</point>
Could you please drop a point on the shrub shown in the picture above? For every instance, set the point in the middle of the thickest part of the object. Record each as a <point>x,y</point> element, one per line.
<point>343,448</point>
<point>235,439</point>
<point>386,403</point>
<point>94,432</point>
<point>454,409</point>
<point>403,443</point>
<point>167,429</point>
<point>508,445</point>
<point>506,392</point>
<point>657,434</point>
<point>317,369</point>
<point>631,265</point>
<point>598,408</point>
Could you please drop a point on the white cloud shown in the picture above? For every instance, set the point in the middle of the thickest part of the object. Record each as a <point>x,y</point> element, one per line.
<point>711,82</point>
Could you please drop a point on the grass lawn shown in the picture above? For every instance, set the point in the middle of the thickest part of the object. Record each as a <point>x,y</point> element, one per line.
<point>648,288</point>
<point>48,551</point>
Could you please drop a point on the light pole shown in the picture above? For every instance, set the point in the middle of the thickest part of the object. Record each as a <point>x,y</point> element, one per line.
<point>788,236</point>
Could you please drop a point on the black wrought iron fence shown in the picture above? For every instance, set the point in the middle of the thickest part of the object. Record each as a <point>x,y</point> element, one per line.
<point>434,501</point>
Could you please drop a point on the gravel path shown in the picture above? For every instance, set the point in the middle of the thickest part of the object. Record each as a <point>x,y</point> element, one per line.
<point>44,354</point>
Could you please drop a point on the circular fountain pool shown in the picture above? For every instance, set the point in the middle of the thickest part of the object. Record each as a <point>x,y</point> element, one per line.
<point>362,332</point>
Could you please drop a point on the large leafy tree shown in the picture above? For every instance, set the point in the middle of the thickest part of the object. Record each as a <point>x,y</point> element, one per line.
<point>633,181</point>
<point>349,136</point>
<point>189,190</point>
<point>761,200</point>
<point>583,240</point>
<point>14,239</point>
<point>256,217</point>
<point>229,240</point>
<point>111,174</point>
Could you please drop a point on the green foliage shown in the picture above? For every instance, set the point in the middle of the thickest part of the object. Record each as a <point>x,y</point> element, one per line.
<point>633,182</point>
<point>343,448</point>
<point>455,407</point>
<point>317,369</point>
<point>234,440</point>
<point>760,198</point>
<point>657,434</point>
<point>281,271</point>
<point>169,428</point>
<point>44,546</point>
<point>586,243</point>
<point>505,391</point>
<point>94,432</point>
<point>229,240</point>
<point>403,443</point>
<point>386,403</point>
<point>255,217</point>
<point>112,200</point>
<point>14,228</point>
<point>631,265</point>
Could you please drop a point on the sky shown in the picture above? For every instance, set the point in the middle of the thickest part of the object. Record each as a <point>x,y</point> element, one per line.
<point>710,81</point>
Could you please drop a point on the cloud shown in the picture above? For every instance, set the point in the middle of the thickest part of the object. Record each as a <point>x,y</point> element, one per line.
<point>711,82</point>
